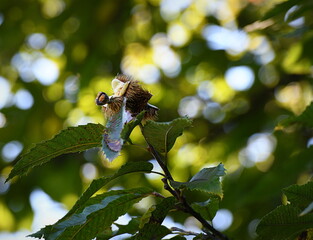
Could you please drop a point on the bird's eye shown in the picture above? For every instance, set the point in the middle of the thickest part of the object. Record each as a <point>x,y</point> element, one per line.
<point>102,98</point>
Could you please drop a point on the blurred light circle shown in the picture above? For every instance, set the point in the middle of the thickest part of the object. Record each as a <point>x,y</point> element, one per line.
<point>11,150</point>
<point>55,48</point>
<point>234,41</point>
<point>213,112</point>
<point>4,186</point>
<point>223,219</point>
<point>45,70</point>
<point>178,35</point>
<point>170,9</point>
<point>260,146</point>
<point>37,40</point>
<point>190,106</point>
<point>5,89</point>
<point>205,90</point>
<point>3,120</point>
<point>240,78</point>
<point>89,171</point>
<point>1,18</point>
<point>149,74</point>
<point>23,99</point>
<point>168,61</point>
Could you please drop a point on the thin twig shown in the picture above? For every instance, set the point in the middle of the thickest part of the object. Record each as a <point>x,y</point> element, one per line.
<point>216,235</point>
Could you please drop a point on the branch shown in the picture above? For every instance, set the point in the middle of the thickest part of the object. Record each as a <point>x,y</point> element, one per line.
<point>216,235</point>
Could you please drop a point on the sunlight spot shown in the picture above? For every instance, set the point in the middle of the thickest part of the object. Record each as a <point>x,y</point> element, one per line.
<point>164,56</point>
<point>11,150</point>
<point>24,99</point>
<point>190,106</point>
<point>223,219</point>
<point>1,18</point>
<point>37,41</point>
<point>46,210</point>
<point>240,78</point>
<point>22,62</point>
<point>55,48</point>
<point>156,168</point>
<point>4,186</point>
<point>232,40</point>
<point>3,120</point>
<point>89,171</point>
<point>205,90</point>
<point>213,112</point>
<point>71,86</point>
<point>310,142</point>
<point>259,148</point>
<point>149,74</point>
<point>5,89</point>
<point>45,70</point>
<point>170,9</point>
<point>178,35</point>
<point>296,23</point>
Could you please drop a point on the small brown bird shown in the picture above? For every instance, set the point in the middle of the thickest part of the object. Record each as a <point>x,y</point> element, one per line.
<point>136,98</point>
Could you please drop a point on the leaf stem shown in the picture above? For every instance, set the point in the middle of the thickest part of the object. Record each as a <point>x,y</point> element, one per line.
<point>215,234</point>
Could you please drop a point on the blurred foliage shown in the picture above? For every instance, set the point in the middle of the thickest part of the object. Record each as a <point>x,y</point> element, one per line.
<point>57,54</point>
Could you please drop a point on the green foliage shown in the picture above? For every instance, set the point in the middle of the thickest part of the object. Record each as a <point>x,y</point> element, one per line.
<point>94,216</point>
<point>70,140</point>
<point>208,208</point>
<point>153,229</point>
<point>163,135</point>
<point>304,118</point>
<point>129,127</point>
<point>97,184</point>
<point>289,221</point>
<point>207,180</point>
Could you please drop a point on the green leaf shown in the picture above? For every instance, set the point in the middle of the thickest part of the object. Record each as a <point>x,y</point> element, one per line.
<point>131,227</point>
<point>153,228</point>
<point>130,167</point>
<point>112,142</point>
<point>208,208</point>
<point>129,127</point>
<point>300,196</point>
<point>72,139</point>
<point>96,215</point>
<point>162,135</point>
<point>207,180</point>
<point>97,184</point>
<point>305,118</point>
<point>284,222</point>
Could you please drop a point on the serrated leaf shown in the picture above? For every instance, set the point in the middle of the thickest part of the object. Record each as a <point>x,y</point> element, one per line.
<point>162,135</point>
<point>130,167</point>
<point>300,195</point>
<point>129,127</point>
<point>97,184</point>
<point>72,139</point>
<point>96,215</point>
<point>153,228</point>
<point>207,180</point>
<point>208,208</point>
<point>305,118</point>
<point>112,142</point>
<point>131,227</point>
<point>284,222</point>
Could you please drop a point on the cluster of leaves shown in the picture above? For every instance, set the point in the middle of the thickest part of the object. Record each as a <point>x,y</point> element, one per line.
<point>93,214</point>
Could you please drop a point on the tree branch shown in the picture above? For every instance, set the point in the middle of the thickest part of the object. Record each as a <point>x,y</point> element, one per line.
<point>216,235</point>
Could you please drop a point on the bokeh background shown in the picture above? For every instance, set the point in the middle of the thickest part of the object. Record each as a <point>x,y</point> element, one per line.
<point>236,73</point>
